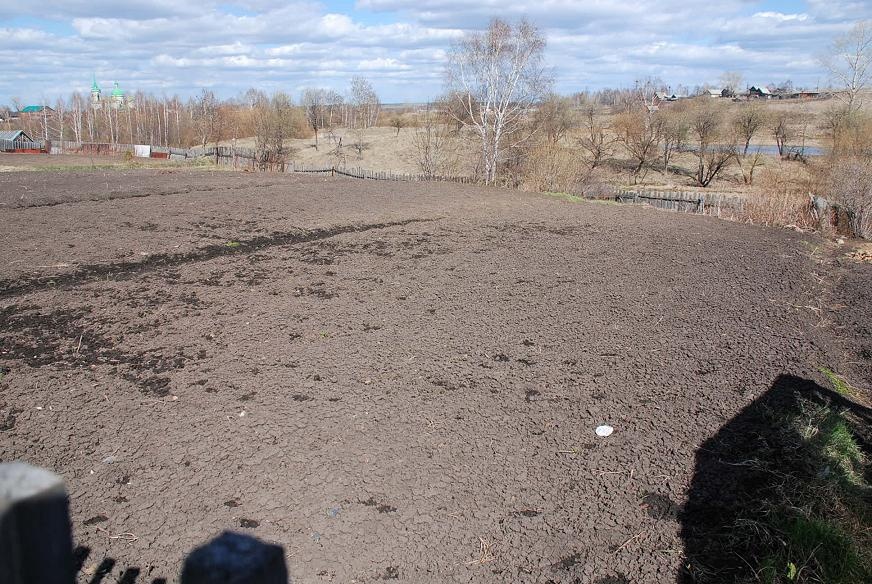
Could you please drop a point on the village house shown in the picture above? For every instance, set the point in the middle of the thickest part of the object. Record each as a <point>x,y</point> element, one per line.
<point>663,97</point>
<point>759,92</point>
<point>35,110</point>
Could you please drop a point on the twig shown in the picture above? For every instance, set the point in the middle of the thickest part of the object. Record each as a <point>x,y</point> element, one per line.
<point>484,553</point>
<point>80,344</point>
<point>126,536</point>
<point>623,545</point>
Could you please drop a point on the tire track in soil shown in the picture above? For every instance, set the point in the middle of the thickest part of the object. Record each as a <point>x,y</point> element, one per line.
<point>126,270</point>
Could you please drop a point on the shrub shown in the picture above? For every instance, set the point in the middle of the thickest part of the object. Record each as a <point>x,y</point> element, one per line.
<point>781,200</point>
<point>848,183</point>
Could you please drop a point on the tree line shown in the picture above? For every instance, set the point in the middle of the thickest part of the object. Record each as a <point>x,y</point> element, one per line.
<point>200,120</point>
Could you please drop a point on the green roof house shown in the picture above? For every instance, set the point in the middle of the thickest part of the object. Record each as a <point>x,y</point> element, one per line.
<point>36,109</point>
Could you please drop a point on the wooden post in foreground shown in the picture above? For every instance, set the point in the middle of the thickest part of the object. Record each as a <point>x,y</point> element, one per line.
<point>234,558</point>
<point>35,540</point>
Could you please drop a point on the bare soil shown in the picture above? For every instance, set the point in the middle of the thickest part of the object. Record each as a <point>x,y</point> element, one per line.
<point>394,381</point>
<point>13,162</point>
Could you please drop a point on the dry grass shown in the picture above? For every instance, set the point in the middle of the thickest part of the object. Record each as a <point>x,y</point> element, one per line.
<point>781,198</point>
<point>485,554</point>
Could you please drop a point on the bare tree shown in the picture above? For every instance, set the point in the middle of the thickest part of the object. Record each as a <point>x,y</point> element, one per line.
<point>706,128</point>
<point>781,123</point>
<point>59,118</point>
<point>206,117</point>
<point>313,102</point>
<point>497,76</point>
<point>850,63</point>
<point>732,82</point>
<point>398,122</point>
<point>748,121</point>
<point>595,141</point>
<point>644,94</point>
<point>638,135</point>
<point>671,127</point>
<point>365,101</point>
<point>555,117</point>
<point>335,104</point>
<point>433,152</point>
<point>274,124</point>
<point>358,141</point>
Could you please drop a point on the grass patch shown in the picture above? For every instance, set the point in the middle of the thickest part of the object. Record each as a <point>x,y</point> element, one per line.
<point>815,550</point>
<point>564,196</point>
<point>822,520</point>
<point>841,449</point>
<point>782,494</point>
<point>838,382</point>
<point>569,197</point>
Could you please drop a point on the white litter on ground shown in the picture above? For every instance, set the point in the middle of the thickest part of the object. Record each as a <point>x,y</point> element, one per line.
<point>604,431</point>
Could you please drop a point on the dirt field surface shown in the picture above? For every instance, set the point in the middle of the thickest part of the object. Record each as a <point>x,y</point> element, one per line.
<point>12,162</point>
<point>394,381</point>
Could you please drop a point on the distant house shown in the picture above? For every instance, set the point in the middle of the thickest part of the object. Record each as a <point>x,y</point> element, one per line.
<point>727,92</point>
<point>759,92</point>
<point>713,92</point>
<point>662,97</point>
<point>807,95</point>
<point>31,110</point>
<point>14,139</point>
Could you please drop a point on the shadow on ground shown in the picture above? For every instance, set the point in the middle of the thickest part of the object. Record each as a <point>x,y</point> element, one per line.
<point>102,574</point>
<point>781,493</point>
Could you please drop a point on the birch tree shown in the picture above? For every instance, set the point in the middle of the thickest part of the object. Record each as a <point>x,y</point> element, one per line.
<point>365,101</point>
<point>498,76</point>
<point>850,64</point>
<point>205,114</point>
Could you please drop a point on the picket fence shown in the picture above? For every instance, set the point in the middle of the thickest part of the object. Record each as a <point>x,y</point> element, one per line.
<point>703,203</point>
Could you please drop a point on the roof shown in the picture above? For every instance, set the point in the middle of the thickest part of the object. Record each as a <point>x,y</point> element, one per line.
<point>714,92</point>
<point>13,135</point>
<point>116,92</point>
<point>759,88</point>
<point>94,86</point>
<point>32,109</point>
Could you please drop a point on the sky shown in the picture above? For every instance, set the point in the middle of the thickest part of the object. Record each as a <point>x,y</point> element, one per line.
<point>51,48</point>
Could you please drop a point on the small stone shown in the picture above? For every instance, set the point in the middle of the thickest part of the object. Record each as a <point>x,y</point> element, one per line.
<point>603,431</point>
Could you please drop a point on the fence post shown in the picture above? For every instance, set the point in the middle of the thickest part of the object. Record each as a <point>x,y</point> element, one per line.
<point>35,540</point>
<point>235,558</point>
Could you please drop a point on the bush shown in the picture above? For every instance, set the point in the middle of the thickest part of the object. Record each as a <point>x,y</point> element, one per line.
<point>848,183</point>
<point>781,200</point>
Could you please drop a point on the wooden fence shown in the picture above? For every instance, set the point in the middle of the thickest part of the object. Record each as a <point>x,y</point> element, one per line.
<point>36,544</point>
<point>703,203</point>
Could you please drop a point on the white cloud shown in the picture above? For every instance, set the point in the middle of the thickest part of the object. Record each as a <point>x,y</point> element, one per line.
<point>229,45</point>
<point>780,16</point>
